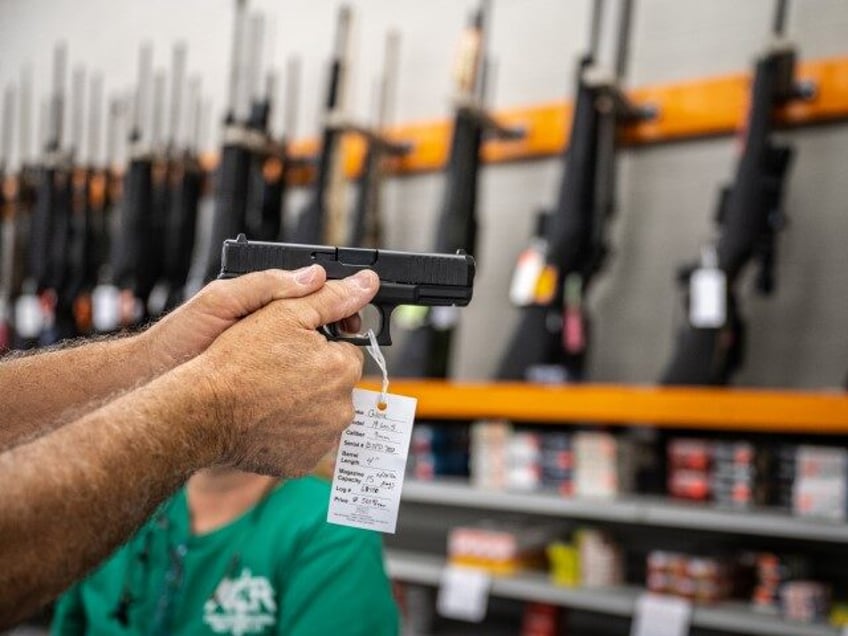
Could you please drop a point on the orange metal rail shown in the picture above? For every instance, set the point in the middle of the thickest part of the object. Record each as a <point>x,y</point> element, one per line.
<point>812,413</point>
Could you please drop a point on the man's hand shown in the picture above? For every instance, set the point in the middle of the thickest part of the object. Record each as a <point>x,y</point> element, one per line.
<point>192,327</point>
<point>282,391</point>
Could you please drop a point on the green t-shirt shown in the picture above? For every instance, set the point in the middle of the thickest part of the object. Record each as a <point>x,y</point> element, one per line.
<point>280,568</point>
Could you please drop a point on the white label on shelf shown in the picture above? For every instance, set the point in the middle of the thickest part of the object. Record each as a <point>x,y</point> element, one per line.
<point>658,615</point>
<point>370,462</point>
<point>708,298</point>
<point>464,593</point>
<point>844,631</point>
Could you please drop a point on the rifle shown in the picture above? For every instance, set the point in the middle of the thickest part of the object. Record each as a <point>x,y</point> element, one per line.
<point>106,297</point>
<point>366,228</point>
<point>322,221</point>
<point>709,347</point>
<point>134,274</point>
<point>19,205</point>
<point>233,175</point>
<point>271,168</point>
<point>49,230</point>
<point>570,245</point>
<point>7,242</point>
<point>87,202</point>
<point>427,349</point>
<point>267,172</point>
<point>187,188</point>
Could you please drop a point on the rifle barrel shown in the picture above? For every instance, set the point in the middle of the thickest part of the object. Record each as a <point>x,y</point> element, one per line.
<point>779,23</point>
<point>595,28</point>
<point>24,132</point>
<point>95,116</point>
<point>234,100</point>
<point>77,110</point>
<point>624,25</point>
<point>57,100</point>
<point>178,72</point>
<point>8,125</point>
<point>292,94</point>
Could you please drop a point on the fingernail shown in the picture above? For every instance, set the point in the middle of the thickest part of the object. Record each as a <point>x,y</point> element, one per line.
<point>364,279</point>
<point>305,275</point>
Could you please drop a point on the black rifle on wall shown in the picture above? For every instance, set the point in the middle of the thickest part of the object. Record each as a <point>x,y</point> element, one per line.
<point>17,212</point>
<point>187,179</point>
<point>7,219</point>
<point>232,178</point>
<point>135,274</point>
<point>323,219</point>
<point>553,276</point>
<point>50,226</point>
<point>710,346</point>
<point>87,205</point>
<point>428,346</point>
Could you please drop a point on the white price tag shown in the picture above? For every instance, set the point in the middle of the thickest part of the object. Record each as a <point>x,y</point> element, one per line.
<point>29,316</point>
<point>464,593</point>
<point>707,298</point>
<point>106,308</point>
<point>370,463</point>
<point>658,615</point>
<point>522,289</point>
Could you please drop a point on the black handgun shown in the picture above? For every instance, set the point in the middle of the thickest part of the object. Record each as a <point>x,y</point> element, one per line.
<point>406,278</point>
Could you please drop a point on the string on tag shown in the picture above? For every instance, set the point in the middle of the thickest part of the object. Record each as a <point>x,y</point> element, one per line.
<point>374,351</point>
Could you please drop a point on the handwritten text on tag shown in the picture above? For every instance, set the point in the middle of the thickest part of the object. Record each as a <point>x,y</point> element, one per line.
<point>370,463</point>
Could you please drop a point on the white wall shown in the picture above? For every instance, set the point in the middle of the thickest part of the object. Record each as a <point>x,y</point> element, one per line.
<point>667,193</point>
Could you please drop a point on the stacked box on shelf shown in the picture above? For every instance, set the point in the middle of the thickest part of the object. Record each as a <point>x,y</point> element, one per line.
<point>805,601</point>
<point>558,462</point>
<point>783,479</point>
<point>593,558</point>
<point>604,464</point>
<point>772,571</point>
<point>488,454</point>
<point>500,547</point>
<point>524,461</point>
<point>690,468</point>
<point>700,579</point>
<point>504,458</point>
<point>438,451</point>
<point>821,480</point>
<point>741,474</point>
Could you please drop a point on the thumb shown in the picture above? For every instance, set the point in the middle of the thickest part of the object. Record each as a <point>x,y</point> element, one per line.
<point>237,297</point>
<point>337,299</point>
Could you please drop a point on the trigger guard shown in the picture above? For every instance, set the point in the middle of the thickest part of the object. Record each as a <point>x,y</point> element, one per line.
<point>384,338</point>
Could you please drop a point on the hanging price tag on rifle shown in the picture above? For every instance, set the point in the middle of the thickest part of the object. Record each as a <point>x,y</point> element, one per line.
<point>708,293</point>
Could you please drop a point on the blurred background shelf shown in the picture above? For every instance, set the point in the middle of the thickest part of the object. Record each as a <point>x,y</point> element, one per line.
<point>810,413</point>
<point>645,510</point>
<point>737,618</point>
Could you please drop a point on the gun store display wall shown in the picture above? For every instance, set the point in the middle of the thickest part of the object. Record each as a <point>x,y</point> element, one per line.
<point>639,424</point>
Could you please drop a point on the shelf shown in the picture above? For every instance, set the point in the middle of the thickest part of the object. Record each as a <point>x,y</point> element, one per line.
<point>648,511</point>
<point>725,409</point>
<point>736,617</point>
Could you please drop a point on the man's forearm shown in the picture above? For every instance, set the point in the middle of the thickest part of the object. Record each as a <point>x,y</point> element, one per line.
<point>70,498</point>
<point>57,386</point>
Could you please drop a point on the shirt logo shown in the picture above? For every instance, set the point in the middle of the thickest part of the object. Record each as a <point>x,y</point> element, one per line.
<point>243,605</point>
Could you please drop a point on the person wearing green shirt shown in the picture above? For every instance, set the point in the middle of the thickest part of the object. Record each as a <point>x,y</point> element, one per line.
<point>241,554</point>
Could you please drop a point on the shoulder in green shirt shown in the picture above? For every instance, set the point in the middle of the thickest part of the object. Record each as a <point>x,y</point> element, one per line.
<point>280,568</point>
